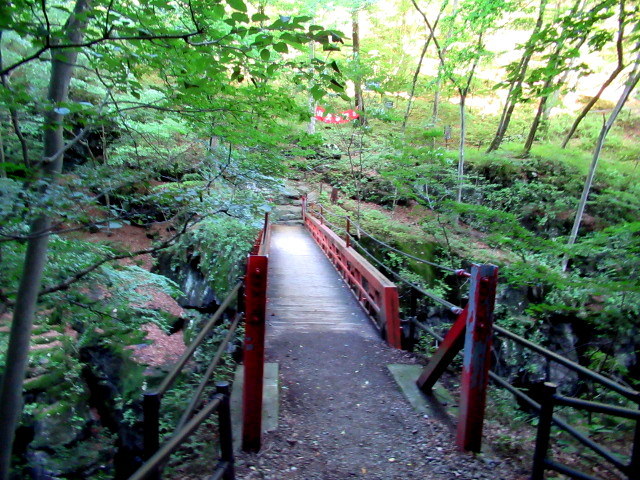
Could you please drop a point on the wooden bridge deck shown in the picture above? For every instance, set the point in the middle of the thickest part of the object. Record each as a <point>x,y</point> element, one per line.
<point>305,293</point>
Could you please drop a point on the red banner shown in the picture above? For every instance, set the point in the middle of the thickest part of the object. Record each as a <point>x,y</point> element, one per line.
<point>342,117</point>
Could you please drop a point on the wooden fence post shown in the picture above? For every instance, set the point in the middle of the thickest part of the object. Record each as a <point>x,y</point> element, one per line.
<point>151,433</point>
<point>255,306</point>
<point>544,431</point>
<point>477,356</point>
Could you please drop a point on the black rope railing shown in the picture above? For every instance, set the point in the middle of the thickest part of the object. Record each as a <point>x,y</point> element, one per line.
<point>604,452</point>
<point>195,399</point>
<point>576,367</point>
<point>353,241</point>
<point>454,308</point>
<point>152,399</point>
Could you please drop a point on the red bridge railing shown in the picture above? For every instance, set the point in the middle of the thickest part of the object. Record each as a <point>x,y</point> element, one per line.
<point>377,295</point>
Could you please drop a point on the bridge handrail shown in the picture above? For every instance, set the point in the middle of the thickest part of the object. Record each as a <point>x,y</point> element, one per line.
<point>225,468</point>
<point>177,368</point>
<point>454,308</point>
<point>195,398</point>
<point>353,241</point>
<point>152,399</point>
<point>628,393</point>
<point>623,390</point>
<point>460,271</point>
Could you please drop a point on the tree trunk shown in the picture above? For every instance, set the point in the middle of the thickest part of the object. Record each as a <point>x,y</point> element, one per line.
<point>634,76</point>
<point>552,65</point>
<point>35,259</point>
<point>414,82</point>
<point>359,100</point>
<point>311,127</point>
<point>515,87</point>
<point>536,121</point>
<point>463,133</point>
<point>619,67</point>
<point>417,72</point>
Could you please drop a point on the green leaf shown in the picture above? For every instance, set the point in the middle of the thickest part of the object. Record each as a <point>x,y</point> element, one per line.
<point>240,17</point>
<point>281,47</point>
<point>265,55</point>
<point>237,5</point>
<point>317,92</point>
<point>217,11</point>
<point>336,87</point>
<point>330,47</point>
<point>259,17</point>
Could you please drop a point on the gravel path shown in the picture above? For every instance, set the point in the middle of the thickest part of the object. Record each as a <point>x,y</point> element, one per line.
<point>342,415</point>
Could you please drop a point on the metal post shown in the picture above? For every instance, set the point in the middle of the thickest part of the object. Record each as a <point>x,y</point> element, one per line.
<point>224,426</point>
<point>151,425</point>
<point>265,228</point>
<point>544,431</point>
<point>255,298</point>
<point>477,356</point>
<point>413,318</point>
<point>303,205</point>
<point>412,334</point>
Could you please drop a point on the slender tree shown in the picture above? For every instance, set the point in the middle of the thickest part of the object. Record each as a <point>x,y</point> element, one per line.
<point>632,81</point>
<point>517,74</point>
<point>622,15</point>
<point>468,26</point>
<point>416,74</point>
<point>62,65</point>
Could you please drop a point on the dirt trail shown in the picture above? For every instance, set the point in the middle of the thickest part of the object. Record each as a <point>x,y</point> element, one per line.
<point>342,415</point>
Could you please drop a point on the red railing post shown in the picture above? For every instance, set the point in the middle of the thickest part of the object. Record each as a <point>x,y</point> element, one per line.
<point>391,309</point>
<point>255,306</point>
<point>347,237</point>
<point>477,356</point>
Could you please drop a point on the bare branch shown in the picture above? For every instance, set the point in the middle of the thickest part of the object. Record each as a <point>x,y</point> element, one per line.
<point>105,38</point>
<point>13,113</point>
<point>86,271</point>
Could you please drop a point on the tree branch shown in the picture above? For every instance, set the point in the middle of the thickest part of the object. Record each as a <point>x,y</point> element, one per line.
<point>65,284</point>
<point>105,38</point>
<point>13,113</point>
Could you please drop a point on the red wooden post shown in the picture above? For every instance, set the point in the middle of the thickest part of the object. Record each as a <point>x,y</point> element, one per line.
<point>391,314</point>
<point>477,356</point>
<point>255,306</point>
<point>448,349</point>
<point>347,238</point>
